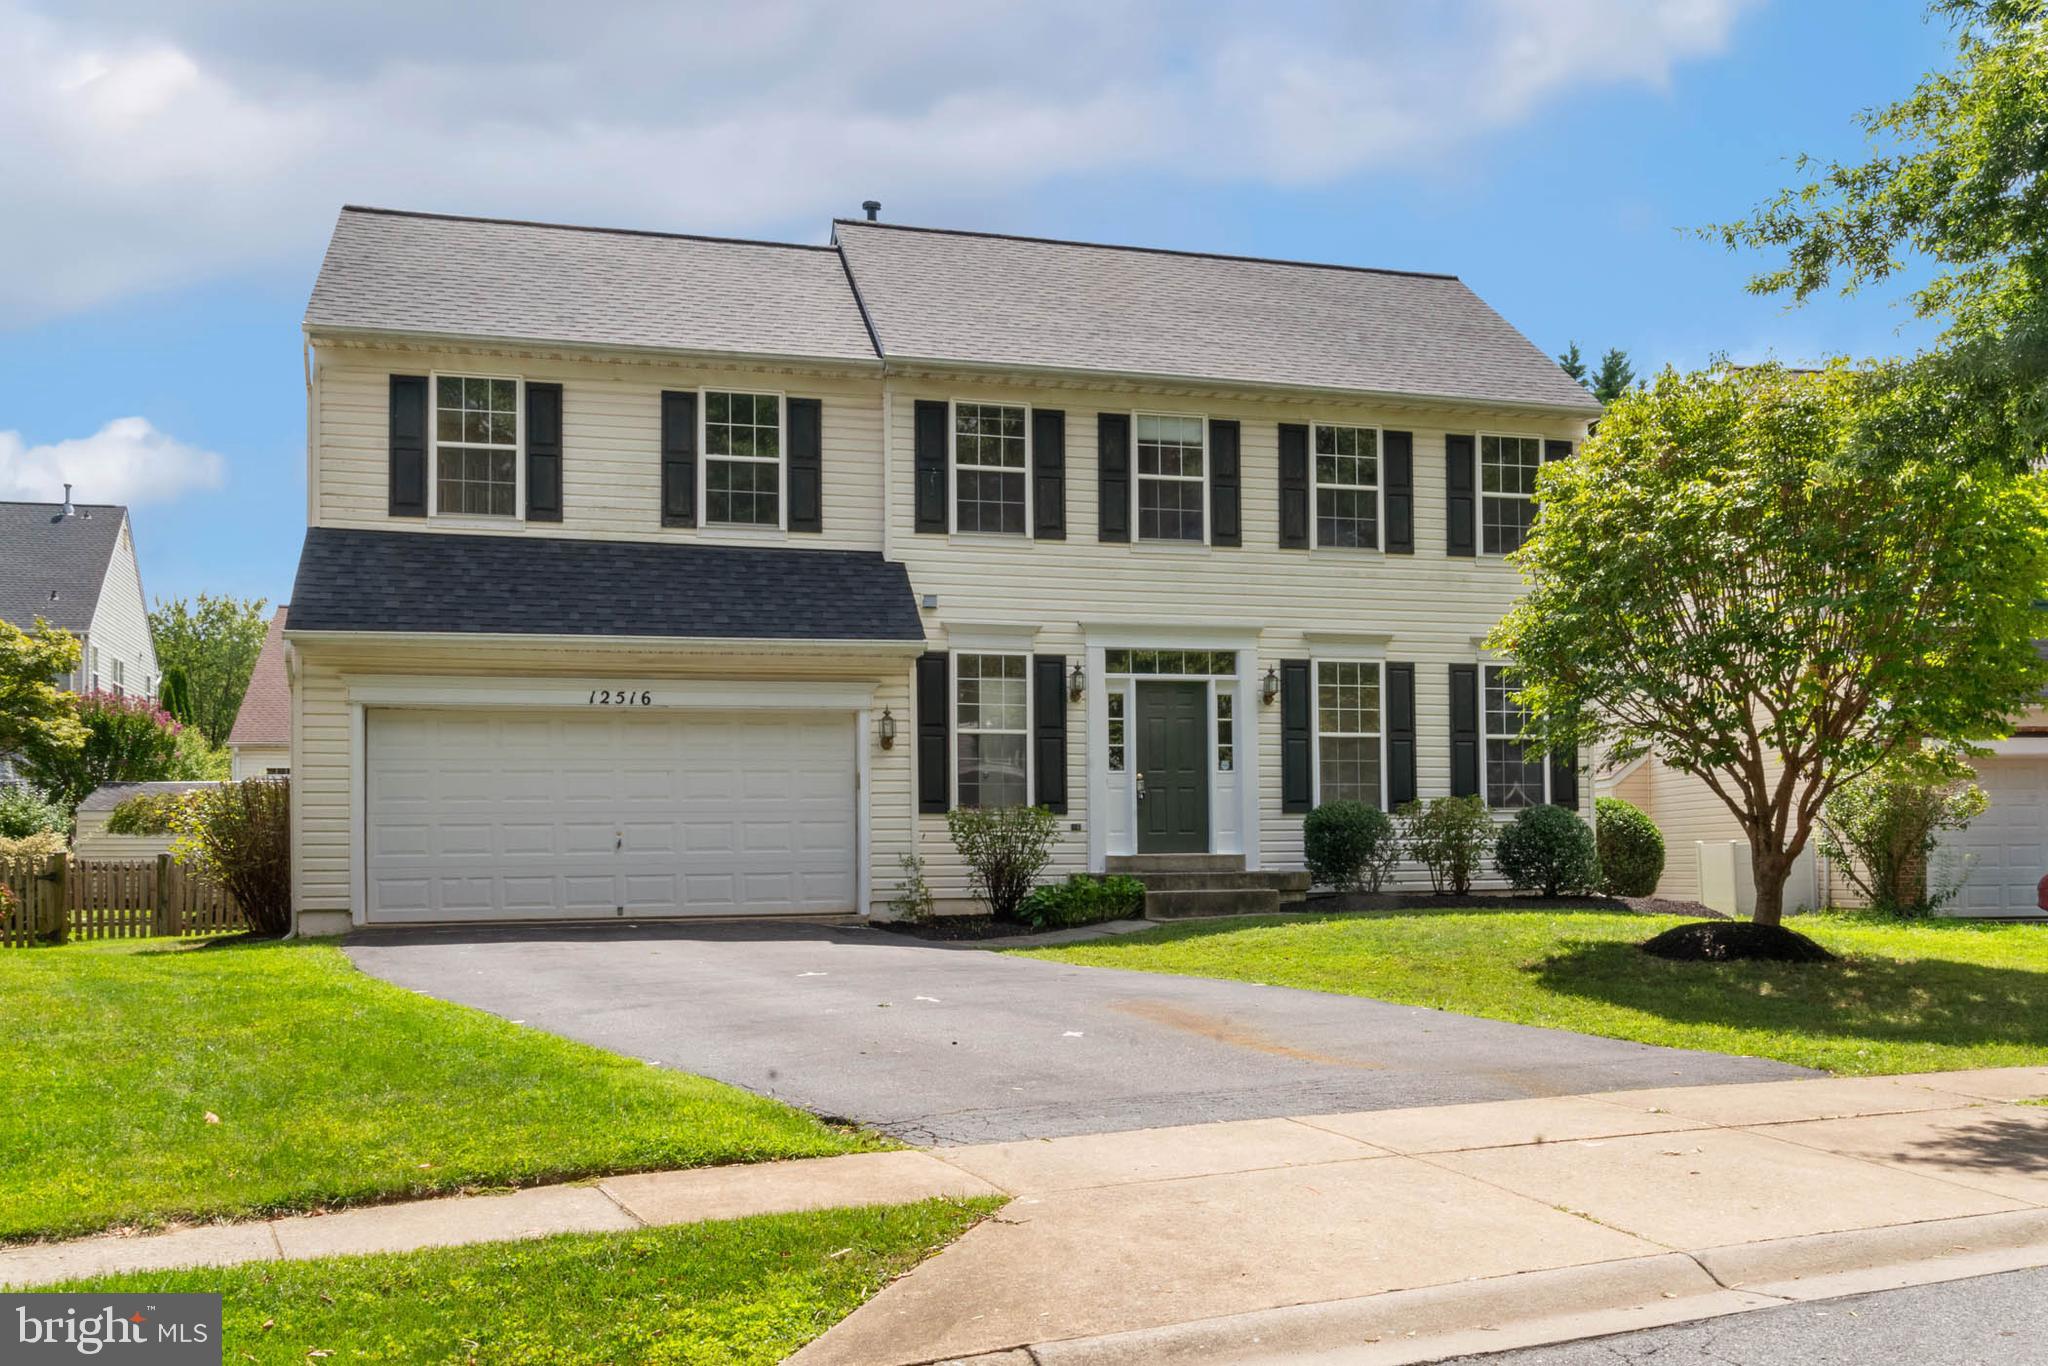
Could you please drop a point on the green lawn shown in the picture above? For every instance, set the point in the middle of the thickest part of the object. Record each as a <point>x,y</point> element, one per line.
<point>1909,997</point>
<point>743,1290</point>
<point>329,1087</point>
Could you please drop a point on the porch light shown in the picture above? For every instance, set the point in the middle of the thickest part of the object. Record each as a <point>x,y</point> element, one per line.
<point>886,729</point>
<point>1077,683</point>
<point>1269,686</point>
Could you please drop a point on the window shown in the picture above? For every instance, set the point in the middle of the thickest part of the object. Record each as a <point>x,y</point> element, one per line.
<point>1507,490</point>
<point>1226,737</point>
<point>120,677</point>
<point>95,668</point>
<point>1176,662</point>
<point>1170,455</point>
<point>743,459</point>
<point>1514,778</point>
<point>476,447</point>
<point>284,772</point>
<point>1116,732</point>
<point>1348,731</point>
<point>988,468</point>
<point>1347,485</point>
<point>991,721</point>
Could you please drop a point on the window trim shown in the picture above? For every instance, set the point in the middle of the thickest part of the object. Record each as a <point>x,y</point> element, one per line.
<point>953,731</point>
<point>1379,489</point>
<point>1138,537</point>
<point>953,477</point>
<point>1487,737</point>
<point>1315,704</point>
<point>1480,495</point>
<point>704,459</point>
<point>434,513</point>
<point>118,675</point>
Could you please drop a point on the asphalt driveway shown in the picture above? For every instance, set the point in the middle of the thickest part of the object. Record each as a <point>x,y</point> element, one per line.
<point>943,1044</point>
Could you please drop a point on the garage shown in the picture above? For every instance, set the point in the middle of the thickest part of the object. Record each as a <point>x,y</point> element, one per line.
<point>546,814</point>
<point>2003,854</point>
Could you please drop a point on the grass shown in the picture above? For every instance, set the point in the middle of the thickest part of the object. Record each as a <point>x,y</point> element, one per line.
<point>1908,997</point>
<point>329,1087</point>
<point>741,1290</point>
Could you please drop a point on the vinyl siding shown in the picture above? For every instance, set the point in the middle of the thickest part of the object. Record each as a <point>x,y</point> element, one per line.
<point>253,761</point>
<point>91,840</point>
<point>120,625</point>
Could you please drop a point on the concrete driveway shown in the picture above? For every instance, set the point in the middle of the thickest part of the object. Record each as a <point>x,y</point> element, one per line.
<point>944,1044</point>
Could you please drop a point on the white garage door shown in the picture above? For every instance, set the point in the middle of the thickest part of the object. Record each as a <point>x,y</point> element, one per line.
<point>2004,852</point>
<point>549,815</point>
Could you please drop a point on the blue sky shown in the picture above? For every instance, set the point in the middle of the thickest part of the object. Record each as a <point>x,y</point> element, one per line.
<point>183,164</point>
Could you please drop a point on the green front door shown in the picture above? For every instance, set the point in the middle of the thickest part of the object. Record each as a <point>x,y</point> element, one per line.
<point>1173,768</point>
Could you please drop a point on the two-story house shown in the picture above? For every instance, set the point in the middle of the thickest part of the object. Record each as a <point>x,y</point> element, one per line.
<point>659,575</point>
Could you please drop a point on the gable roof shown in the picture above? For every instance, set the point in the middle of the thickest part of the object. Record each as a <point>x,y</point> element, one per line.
<point>1031,303</point>
<point>442,275</point>
<point>265,717</point>
<point>53,566</point>
<point>113,794</point>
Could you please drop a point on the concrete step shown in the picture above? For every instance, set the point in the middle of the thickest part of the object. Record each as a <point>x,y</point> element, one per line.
<point>1193,905</point>
<point>1174,863</point>
<point>1287,884</point>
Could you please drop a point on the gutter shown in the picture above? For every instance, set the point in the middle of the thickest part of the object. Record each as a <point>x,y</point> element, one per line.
<point>905,647</point>
<point>316,332</point>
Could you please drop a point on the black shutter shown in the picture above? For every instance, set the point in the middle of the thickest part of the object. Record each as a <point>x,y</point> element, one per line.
<point>1397,453</point>
<point>1049,475</point>
<point>1226,526</point>
<point>543,452</point>
<point>933,768</point>
<point>1556,450</point>
<point>929,433</point>
<point>1297,729</point>
<point>678,458</point>
<point>1113,476</point>
<point>408,446</point>
<point>1459,510</point>
<point>1564,779</point>
<point>1049,731</point>
<point>1293,486</point>
<point>806,436</point>
<point>1400,735</point>
<point>1464,730</point>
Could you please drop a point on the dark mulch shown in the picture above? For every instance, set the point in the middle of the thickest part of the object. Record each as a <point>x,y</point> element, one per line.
<point>1727,941</point>
<point>1503,901</point>
<point>951,927</point>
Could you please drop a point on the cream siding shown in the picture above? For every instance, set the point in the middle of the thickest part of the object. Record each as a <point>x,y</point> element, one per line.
<point>254,761</point>
<point>91,840</point>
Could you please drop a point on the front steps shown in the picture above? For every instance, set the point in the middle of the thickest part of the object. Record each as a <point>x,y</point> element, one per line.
<point>1190,886</point>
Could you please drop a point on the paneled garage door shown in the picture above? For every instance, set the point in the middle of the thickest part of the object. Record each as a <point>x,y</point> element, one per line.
<point>2004,852</point>
<point>566,815</point>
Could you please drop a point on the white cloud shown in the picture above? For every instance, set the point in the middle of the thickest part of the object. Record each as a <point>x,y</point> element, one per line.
<point>127,461</point>
<point>159,145</point>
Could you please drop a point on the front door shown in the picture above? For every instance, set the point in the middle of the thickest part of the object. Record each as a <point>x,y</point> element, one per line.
<point>1173,769</point>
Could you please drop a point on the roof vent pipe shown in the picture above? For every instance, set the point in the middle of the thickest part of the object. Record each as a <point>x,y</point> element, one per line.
<point>873,207</point>
<point>69,511</point>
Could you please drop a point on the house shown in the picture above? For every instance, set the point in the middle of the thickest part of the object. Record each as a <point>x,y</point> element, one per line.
<point>93,841</point>
<point>260,742</point>
<point>653,575</point>
<point>73,565</point>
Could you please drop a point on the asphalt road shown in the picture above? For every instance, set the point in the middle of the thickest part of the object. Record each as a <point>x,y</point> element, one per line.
<point>944,1044</point>
<point>1988,1321</point>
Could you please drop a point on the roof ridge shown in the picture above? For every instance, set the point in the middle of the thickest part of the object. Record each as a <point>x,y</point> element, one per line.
<point>57,503</point>
<point>586,227</point>
<point>1149,251</point>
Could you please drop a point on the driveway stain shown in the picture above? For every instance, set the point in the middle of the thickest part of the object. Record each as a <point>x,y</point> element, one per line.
<point>1221,1029</point>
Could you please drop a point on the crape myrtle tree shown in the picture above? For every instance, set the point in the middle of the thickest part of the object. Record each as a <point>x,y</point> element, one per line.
<point>1771,581</point>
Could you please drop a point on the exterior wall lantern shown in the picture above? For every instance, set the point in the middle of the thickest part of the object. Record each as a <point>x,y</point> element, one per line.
<point>885,729</point>
<point>1077,683</point>
<point>1269,686</point>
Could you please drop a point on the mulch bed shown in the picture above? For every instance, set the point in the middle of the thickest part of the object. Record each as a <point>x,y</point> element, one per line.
<point>952,927</point>
<point>1729,941</point>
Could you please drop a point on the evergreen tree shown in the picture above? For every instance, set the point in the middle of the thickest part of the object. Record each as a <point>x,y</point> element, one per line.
<point>1615,376</point>
<point>1573,364</point>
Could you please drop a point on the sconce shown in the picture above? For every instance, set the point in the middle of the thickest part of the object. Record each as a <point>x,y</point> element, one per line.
<point>886,729</point>
<point>1269,686</point>
<point>1077,683</point>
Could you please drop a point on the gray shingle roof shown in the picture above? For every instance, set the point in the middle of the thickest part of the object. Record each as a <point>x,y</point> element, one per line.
<point>265,716</point>
<point>979,298</point>
<point>467,277</point>
<point>352,580</point>
<point>43,553</point>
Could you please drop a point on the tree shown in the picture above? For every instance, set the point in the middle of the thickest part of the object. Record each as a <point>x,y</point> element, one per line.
<point>1773,581</point>
<point>1614,377</point>
<point>33,710</point>
<point>213,642</point>
<point>127,740</point>
<point>1573,364</point>
<point>1880,828</point>
<point>174,694</point>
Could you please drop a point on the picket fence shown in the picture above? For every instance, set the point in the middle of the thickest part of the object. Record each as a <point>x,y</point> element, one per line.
<point>62,897</point>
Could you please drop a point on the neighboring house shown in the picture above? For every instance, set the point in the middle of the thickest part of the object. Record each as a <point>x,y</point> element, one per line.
<point>91,840</point>
<point>73,565</point>
<point>654,575</point>
<point>261,741</point>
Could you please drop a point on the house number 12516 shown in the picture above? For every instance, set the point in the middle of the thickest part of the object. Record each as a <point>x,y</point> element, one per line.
<point>620,697</point>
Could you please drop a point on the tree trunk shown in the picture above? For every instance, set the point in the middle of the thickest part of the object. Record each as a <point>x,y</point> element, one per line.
<point>1769,868</point>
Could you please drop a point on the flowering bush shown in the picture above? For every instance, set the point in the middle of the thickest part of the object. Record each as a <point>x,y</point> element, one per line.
<point>127,740</point>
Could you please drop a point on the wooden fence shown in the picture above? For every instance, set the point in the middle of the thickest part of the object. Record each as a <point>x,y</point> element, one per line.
<point>63,897</point>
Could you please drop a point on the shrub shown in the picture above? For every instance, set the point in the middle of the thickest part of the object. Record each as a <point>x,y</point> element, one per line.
<point>25,811</point>
<point>1006,848</point>
<point>1349,846</point>
<point>145,813</point>
<point>195,761</point>
<point>38,846</point>
<point>7,903</point>
<point>240,835</point>
<point>127,740</point>
<point>913,899</point>
<point>1880,828</point>
<point>1451,837</point>
<point>1631,848</point>
<point>1548,849</point>
<point>1083,900</point>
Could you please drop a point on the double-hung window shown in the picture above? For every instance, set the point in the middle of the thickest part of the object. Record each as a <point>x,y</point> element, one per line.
<point>1171,463</point>
<point>476,447</point>
<point>989,468</point>
<point>1515,778</point>
<point>120,676</point>
<point>1348,731</point>
<point>1508,466</point>
<point>742,459</point>
<point>1347,487</point>
<point>991,722</point>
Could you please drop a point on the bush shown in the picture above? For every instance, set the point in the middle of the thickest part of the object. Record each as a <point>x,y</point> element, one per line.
<point>39,846</point>
<point>1451,837</point>
<point>1083,900</point>
<point>1349,846</point>
<point>145,813</point>
<point>1548,849</point>
<point>913,899</point>
<point>195,761</point>
<point>1006,848</point>
<point>1631,848</point>
<point>25,811</point>
<point>240,836</point>
<point>1881,827</point>
<point>127,740</point>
